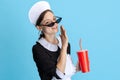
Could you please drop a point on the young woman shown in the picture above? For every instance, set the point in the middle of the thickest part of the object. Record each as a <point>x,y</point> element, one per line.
<point>50,53</point>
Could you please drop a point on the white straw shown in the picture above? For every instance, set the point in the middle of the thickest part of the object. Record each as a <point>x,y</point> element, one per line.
<point>80,43</point>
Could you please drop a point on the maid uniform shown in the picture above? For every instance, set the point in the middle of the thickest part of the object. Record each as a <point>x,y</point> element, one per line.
<point>46,55</point>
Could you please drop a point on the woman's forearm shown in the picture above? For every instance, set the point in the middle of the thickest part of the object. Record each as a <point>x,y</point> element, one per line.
<point>62,59</point>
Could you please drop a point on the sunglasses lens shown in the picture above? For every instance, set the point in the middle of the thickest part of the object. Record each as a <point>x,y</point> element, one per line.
<point>58,20</point>
<point>51,24</point>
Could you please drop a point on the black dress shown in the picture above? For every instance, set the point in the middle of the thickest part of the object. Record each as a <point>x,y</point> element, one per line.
<point>46,61</point>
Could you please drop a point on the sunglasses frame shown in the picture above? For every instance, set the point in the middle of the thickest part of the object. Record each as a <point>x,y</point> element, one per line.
<point>53,23</point>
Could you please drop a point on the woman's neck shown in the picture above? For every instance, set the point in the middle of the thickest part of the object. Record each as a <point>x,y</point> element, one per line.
<point>52,39</point>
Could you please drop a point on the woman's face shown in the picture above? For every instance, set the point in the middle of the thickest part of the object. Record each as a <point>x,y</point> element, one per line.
<point>49,18</point>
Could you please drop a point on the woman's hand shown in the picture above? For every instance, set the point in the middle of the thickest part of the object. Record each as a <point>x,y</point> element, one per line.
<point>78,67</point>
<point>64,37</point>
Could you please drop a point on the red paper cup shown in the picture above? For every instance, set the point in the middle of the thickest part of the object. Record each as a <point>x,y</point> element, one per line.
<point>83,60</point>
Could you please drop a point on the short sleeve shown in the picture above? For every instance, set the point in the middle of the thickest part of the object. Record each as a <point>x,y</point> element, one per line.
<point>44,63</point>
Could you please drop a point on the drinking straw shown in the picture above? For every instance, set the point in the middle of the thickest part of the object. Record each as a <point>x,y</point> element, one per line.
<point>80,43</point>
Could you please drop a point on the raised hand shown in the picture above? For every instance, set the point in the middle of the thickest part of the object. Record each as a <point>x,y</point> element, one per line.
<point>64,37</point>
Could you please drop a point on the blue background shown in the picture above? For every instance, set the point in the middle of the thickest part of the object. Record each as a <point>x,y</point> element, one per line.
<point>97,22</point>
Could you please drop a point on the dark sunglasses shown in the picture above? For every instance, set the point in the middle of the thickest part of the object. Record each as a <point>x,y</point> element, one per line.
<point>53,23</point>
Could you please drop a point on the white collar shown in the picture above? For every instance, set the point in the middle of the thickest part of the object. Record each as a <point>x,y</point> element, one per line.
<point>50,46</point>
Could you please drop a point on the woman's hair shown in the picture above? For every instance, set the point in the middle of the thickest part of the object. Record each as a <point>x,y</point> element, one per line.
<point>40,19</point>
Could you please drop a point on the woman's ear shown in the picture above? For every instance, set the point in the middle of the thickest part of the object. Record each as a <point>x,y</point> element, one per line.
<point>39,28</point>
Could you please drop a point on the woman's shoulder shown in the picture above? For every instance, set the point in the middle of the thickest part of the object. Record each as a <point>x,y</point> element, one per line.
<point>37,47</point>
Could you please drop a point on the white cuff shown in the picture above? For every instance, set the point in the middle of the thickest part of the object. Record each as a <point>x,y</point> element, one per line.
<point>59,73</point>
<point>70,68</point>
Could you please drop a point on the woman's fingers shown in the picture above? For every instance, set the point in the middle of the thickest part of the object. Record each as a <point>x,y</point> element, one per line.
<point>62,29</point>
<point>78,67</point>
<point>63,36</point>
<point>63,32</point>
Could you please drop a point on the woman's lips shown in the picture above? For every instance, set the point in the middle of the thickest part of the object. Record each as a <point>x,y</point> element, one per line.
<point>54,28</point>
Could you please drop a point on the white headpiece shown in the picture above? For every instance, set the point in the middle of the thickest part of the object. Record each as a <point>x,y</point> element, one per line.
<point>36,11</point>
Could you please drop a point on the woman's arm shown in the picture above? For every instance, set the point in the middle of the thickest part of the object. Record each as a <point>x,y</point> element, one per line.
<point>62,58</point>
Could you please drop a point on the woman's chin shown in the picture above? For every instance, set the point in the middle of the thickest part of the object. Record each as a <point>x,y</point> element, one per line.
<point>55,29</point>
